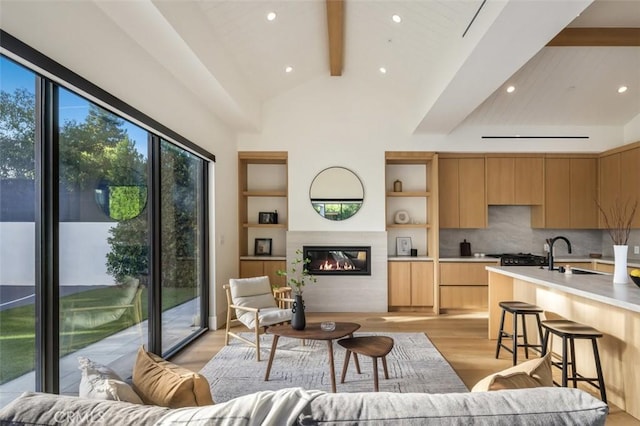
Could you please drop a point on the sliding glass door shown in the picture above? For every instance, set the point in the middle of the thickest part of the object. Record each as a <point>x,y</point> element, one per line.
<point>104,237</point>
<point>17,230</point>
<point>181,199</point>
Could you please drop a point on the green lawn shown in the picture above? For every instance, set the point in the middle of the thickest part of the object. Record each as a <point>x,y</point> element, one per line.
<point>17,327</point>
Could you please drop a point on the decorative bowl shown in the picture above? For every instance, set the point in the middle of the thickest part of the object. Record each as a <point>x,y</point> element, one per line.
<point>636,280</point>
<point>328,326</point>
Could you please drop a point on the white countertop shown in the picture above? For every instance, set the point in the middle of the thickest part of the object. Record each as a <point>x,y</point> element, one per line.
<point>485,259</point>
<point>409,258</point>
<point>594,287</point>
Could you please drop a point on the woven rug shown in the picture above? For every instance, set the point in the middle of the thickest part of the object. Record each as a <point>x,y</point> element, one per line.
<point>414,365</point>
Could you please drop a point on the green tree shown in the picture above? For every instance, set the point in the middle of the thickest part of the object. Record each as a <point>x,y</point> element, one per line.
<point>17,134</point>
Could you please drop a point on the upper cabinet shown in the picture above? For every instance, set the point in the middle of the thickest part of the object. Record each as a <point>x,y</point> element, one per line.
<point>262,212</point>
<point>462,201</point>
<point>620,179</point>
<point>411,211</point>
<point>514,180</point>
<point>570,194</point>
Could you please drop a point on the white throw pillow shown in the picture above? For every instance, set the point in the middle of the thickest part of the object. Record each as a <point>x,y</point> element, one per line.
<point>100,382</point>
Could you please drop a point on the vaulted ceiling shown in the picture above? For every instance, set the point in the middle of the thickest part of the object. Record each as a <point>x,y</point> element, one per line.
<point>449,60</point>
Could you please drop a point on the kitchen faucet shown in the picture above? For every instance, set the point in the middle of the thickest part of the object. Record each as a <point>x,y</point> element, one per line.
<point>551,241</point>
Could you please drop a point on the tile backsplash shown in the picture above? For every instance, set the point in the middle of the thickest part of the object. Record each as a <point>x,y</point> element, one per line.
<point>510,231</point>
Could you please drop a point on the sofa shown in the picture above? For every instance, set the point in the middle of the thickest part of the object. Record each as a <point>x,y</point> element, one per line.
<point>295,406</point>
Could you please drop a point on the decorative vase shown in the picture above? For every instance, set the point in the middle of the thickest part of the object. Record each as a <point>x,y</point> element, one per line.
<point>298,321</point>
<point>620,275</point>
<point>397,186</point>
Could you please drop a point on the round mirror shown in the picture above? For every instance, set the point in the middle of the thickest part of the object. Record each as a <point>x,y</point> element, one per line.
<point>336,193</point>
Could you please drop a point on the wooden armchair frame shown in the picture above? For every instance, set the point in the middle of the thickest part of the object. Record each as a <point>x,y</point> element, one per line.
<point>282,301</point>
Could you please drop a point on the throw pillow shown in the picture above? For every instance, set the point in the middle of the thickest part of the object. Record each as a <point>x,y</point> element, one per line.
<point>101,382</point>
<point>529,374</point>
<point>160,382</point>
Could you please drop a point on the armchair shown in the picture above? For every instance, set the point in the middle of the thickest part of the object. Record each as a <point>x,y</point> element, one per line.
<point>255,306</point>
<point>86,316</point>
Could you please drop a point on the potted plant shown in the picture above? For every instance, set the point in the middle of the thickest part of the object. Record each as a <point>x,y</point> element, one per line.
<point>618,223</point>
<point>297,276</point>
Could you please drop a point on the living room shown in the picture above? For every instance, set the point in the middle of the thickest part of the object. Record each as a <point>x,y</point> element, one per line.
<point>228,101</point>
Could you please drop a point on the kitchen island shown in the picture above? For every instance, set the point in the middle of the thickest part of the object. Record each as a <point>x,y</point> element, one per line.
<point>613,309</point>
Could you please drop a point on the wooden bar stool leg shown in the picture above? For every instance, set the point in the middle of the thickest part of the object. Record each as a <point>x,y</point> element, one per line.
<point>574,369</point>
<point>500,335</point>
<point>564,362</point>
<point>524,335</point>
<point>515,339</point>
<point>596,356</point>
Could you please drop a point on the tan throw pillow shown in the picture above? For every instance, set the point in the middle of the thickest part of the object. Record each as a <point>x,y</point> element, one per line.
<point>101,382</point>
<point>529,374</point>
<point>162,383</point>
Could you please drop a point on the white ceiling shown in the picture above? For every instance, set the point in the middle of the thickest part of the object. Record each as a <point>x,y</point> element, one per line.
<point>232,59</point>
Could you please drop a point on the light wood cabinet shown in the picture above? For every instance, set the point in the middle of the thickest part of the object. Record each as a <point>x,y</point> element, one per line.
<point>262,187</point>
<point>258,268</point>
<point>462,193</point>
<point>515,180</point>
<point>619,176</point>
<point>463,285</point>
<point>570,194</point>
<point>410,284</point>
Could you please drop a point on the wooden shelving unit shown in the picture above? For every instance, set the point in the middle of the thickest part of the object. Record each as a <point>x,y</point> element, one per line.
<point>262,186</point>
<point>411,280</point>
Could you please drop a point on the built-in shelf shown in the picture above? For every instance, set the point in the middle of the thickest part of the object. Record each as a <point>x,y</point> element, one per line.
<point>265,225</point>
<point>409,194</point>
<point>264,193</point>
<point>409,225</point>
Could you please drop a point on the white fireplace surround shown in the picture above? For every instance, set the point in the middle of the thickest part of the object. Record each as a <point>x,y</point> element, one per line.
<point>345,293</point>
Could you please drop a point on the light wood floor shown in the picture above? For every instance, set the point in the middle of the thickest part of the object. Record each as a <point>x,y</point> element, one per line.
<point>461,338</point>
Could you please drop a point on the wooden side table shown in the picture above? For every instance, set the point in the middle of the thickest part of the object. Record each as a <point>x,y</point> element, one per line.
<point>312,332</point>
<point>372,346</point>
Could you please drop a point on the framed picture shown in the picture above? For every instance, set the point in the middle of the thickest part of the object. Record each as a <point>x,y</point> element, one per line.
<point>268,217</point>
<point>263,247</point>
<point>403,246</point>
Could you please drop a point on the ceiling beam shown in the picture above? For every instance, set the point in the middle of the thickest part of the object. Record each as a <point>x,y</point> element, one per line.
<point>579,36</point>
<point>335,24</point>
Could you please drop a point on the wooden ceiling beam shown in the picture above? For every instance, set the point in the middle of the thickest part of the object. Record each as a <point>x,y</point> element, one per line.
<point>335,24</point>
<point>579,36</point>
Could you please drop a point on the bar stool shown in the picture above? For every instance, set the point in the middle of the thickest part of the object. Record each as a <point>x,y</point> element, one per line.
<point>516,309</point>
<point>569,331</point>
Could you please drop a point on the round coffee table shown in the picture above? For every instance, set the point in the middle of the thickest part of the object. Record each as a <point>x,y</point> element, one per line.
<point>313,332</point>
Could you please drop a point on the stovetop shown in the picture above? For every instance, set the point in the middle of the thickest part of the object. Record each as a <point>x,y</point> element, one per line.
<point>520,259</point>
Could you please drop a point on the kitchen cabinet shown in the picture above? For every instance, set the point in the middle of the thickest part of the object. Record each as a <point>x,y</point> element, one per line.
<point>418,198</point>
<point>619,176</point>
<point>570,193</point>
<point>410,284</point>
<point>258,268</point>
<point>262,187</point>
<point>464,285</point>
<point>515,180</point>
<point>462,200</point>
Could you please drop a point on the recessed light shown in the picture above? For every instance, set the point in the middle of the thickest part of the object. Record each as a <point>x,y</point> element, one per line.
<point>622,89</point>
<point>511,89</point>
<point>288,69</point>
<point>383,70</point>
<point>271,16</point>
<point>396,18</point>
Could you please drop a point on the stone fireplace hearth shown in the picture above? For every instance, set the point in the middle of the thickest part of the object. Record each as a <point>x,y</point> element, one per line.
<point>345,292</point>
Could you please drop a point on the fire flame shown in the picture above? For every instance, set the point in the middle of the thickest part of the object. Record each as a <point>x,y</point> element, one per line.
<point>329,266</point>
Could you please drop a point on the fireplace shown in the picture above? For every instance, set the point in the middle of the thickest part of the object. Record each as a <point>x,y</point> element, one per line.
<point>338,260</point>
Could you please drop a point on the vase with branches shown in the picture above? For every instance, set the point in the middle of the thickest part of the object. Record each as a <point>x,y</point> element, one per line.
<point>617,220</point>
<point>297,276</point>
